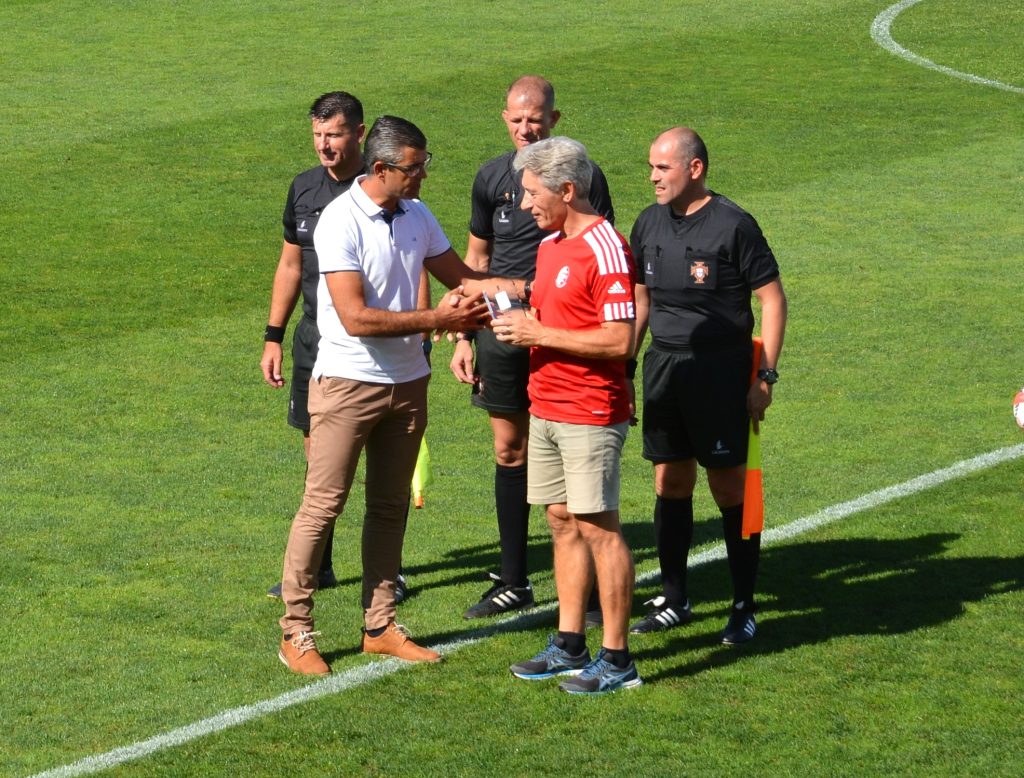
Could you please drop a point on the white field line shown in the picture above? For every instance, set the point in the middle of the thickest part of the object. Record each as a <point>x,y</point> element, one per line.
<point>365,674</point>
<point>880,32</point>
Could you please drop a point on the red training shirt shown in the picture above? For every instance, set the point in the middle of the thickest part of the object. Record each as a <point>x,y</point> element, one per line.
<point>581,282</point>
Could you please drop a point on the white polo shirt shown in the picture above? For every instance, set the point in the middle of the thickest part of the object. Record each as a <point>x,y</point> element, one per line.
<point>352,235</point>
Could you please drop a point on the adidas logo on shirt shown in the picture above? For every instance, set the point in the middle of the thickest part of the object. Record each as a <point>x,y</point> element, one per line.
<point>617,288</point>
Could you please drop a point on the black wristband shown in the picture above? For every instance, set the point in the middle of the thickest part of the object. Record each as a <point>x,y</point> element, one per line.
<point>273,334</point>
<point>527,291</point>
<point>469,336</point>
<point>630,369</point>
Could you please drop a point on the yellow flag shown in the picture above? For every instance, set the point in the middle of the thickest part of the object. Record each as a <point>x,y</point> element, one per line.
<point>423,475</point>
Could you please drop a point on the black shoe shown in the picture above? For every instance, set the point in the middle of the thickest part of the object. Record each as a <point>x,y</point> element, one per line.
<point>401,589</point>
<point>662,615</point>
<point>501,598</point>
<point>741,627</point>
<point>325,580</point>
<point>593,619</point>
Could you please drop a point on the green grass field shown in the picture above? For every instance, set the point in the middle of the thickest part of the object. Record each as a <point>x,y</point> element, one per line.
<point>148,478</point>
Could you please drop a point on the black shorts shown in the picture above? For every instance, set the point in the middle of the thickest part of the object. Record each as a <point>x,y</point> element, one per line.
<point>503,371</point>
<point>305,342</point>
<point>695,406</point>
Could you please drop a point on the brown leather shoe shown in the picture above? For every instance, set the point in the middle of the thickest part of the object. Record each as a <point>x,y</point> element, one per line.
<point>395,641</point>
<point>299,652</point>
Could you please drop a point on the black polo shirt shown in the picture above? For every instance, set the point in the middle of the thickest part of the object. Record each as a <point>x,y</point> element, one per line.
<point>497,216</point>
<point>700,271</point>
<point>308,195</point>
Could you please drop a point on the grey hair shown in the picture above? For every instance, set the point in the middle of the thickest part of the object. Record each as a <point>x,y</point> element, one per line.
<point>388,139</point>
<point>555,161</point>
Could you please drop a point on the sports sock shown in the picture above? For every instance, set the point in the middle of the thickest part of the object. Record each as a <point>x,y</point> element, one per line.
<point>744,556</point>
<point>673,533</point>
<point>513,521</point>
<point>573,643</point>
<point>617,656</point>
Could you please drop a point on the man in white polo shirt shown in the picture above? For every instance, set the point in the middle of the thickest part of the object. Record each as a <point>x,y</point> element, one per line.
<point>369,384</point>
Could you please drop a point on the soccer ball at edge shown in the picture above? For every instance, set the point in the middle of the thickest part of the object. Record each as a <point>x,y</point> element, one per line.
<point>1018,408</point>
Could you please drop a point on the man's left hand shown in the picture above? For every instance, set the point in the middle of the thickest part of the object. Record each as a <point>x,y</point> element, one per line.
<point>758,399</point>
<point>518,329</point>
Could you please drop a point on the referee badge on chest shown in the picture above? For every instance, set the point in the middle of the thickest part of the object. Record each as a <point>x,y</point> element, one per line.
<point>701,272</point>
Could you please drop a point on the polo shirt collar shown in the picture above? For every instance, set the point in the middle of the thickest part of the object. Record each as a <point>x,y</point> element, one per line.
<point>369,207</point>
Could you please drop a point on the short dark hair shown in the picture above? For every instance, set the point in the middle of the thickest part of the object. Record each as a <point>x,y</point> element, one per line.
<point>331,104</point>
<point>388,139</point>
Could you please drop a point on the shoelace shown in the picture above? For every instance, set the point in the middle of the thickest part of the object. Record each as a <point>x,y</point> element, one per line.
<point>304,642</point>
<point>401,629</point>
<point>551,650</point>
<point>597,668</point>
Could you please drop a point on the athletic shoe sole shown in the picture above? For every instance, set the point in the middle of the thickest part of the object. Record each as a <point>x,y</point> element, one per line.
<point>632,684</point>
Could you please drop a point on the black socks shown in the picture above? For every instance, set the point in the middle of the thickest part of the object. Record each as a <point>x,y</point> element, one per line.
<point>513,521</point>
<point>573,643</point>
<point>744,556</point>
<point>673,532</point>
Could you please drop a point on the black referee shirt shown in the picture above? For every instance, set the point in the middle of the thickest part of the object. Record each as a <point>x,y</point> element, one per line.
<point>700,271</point>
<point>309,194</point>
<point>498,217</point>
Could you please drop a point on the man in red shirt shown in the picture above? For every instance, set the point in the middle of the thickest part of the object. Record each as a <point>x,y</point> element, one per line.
<point>580,333</point>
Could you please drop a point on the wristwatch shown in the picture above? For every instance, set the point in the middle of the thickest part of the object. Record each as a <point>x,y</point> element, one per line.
<point>768,375</point>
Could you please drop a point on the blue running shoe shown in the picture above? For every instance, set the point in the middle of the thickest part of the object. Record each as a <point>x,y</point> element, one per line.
<point>550,662</point>
<point>741,627</point>
<point>601,676</point>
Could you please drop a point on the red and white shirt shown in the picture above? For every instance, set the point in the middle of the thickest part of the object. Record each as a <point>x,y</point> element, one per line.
<point>580,283</point>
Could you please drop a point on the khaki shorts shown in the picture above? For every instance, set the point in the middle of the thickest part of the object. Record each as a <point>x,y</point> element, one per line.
<point>575,464</point>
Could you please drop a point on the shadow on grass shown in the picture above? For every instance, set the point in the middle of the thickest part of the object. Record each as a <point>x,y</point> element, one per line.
<point>470,564</point>
<point>815,591</point>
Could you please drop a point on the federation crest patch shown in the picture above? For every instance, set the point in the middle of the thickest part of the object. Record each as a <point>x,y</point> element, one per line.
<point>563,277</point>
<point>699,272</point>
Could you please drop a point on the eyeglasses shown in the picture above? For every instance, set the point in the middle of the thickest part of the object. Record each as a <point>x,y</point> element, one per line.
<point>420,168</point>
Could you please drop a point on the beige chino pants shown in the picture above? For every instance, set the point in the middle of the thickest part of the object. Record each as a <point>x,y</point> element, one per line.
<point>346,417</point>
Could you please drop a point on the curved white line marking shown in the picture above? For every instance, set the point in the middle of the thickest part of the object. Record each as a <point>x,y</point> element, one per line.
<point>880,33</point>
<point>358,676</point>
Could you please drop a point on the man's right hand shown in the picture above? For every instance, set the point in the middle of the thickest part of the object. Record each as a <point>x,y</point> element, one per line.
<point>271,364</point>
<point>458,313</point>
<point>462,362</point>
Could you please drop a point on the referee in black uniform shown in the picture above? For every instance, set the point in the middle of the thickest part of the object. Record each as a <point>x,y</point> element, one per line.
<point>700,258</point>
<point>503,242</point>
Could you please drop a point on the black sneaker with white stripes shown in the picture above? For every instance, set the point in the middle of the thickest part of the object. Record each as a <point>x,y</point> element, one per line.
<point>663,615</point>
<point>501,598</point>
<point>741,627</point>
